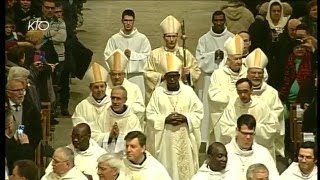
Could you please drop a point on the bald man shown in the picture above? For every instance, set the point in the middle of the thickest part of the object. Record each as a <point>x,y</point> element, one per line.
<point>86,151</point>
<point>215,166</point>
<point>291,27</point>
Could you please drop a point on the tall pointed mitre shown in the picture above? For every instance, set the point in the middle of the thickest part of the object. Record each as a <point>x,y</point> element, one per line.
<point>234,45</point>
<point>170,25</point>
<point>171,64</point>
<point>117,61</point>
<point>256,59</point>
<point>96,73</point>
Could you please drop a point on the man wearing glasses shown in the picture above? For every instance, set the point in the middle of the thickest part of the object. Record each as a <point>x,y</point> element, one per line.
<point>63,166</point>
<point>267,123</point>
<point>135,46</point>
<point>154,75</point>
<point>117,63</point>
<point>306,167</point>
<point>243,151</point>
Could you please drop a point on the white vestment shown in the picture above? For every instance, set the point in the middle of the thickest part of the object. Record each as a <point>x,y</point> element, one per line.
<point>140,48</point>
<point>176,147</point>
<point>270,96</point>
<point>127,121</point>
<point>205,55</point>
<point>72,174</point>
<point>149,169</point>
<point>85,161</point>
<point>205,173</point>
<point>92,112</point>
<point>153,70</point>
<point>222,86</point>
<point>266,123</point>
<point>240,160</point>
<point>134,99</point>
<point>293,173</point>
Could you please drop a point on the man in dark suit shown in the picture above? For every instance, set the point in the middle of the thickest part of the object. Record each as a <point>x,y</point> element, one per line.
<point>24,111</point>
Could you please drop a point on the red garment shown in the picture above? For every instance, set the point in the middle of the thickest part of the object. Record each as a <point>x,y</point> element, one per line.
<point>303,77</point>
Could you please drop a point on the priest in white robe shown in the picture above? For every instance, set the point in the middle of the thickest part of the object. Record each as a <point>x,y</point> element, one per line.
<point>215,167</point>
<point>256,62</point>
<point>209,53</point>
<point>154,75</point>
<point>243,151</point>
<point>222,85</point>
<point>86,151</point>
<point>306,167</point>
<point>119,121</point>
<point>63,158</point>
<point>139,163</point>
<point>136,46</point>
<point>266,123</point>
<point>94,108</point>
<point>116,64</point>
<point>174,115</point>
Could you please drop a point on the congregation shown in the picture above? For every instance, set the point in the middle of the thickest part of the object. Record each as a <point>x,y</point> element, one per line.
<point>149,110</point>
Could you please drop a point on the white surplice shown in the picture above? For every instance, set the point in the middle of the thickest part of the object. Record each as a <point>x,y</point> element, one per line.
<point>149,169</point>
<point>266,123</point>
<point>205,173</point>
<point>222,86</point>
<point>72,174</point>
<point>176,147</point>
<point>153,70</point>
<point>293,173</point>
<point>240,160</point>
<point>270,96</point>
<point>140,48</point>
<point>205,55</point>
<point>127,121</point>
<point>92,112</point>
<point>134,99</point>
<point>85,161</point>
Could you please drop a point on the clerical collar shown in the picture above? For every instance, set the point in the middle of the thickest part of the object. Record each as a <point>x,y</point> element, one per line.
<point>257,87</point>
<point>99,100</point>
<point>245,55</point>
<point>144,159</point>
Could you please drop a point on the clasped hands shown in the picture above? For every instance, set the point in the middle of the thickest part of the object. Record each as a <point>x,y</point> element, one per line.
<point>114,132</point>
<point>175,119</point>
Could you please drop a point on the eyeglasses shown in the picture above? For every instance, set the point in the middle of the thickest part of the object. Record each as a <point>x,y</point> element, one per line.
<point>128,20</point>
<point>116,74</point>
<point>248,133</point>
<point>49,7</point>
<point>17,90</point>
<point>58,11</point>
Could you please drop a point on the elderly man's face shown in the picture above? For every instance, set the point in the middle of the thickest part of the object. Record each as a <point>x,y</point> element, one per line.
<point>255,75</point>
<point>234,62</point>
<point>98,90</point>
<point>260,175</point>
<point>118,99</point>
<point>117,77</point>
<point>60,163</point>
<point>171,40</point>
<point>105,172</point>
<point>292,24</point>
<point>16,91</point>
<point>306,160</point>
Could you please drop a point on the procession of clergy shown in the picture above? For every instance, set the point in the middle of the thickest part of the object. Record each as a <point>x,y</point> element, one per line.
<point>151,124</point>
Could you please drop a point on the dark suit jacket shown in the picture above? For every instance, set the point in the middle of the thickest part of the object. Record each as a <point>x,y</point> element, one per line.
<point>31,119</point>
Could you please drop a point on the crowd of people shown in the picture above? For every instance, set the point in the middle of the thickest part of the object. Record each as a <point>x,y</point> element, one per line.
<point>148,111</point>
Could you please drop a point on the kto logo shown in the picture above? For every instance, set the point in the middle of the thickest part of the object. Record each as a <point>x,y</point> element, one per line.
<point>38,25</point>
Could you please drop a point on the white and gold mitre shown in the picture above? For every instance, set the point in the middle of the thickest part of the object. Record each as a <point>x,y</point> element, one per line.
<point>96,73</point>
<point>171,64</point>
<point>117,61</point>
<point>256,59</point>
<point>170,25</point>
<point>234,45</point>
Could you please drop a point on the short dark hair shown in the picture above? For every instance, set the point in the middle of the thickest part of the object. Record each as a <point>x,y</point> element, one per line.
<point>27,169</point>
<point>218,13</point>
<point>303,26</point>
<point>59,4</point>
<point>50,1</point>
<point>128,12</point>
<point>15,54</point>
<point>310,5</point>
<point>244,80</point>
<point>136,134</point>
<point>244,31</point>
<point>248,120</point>
<point>213,146</point>
<point>310,145</point>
